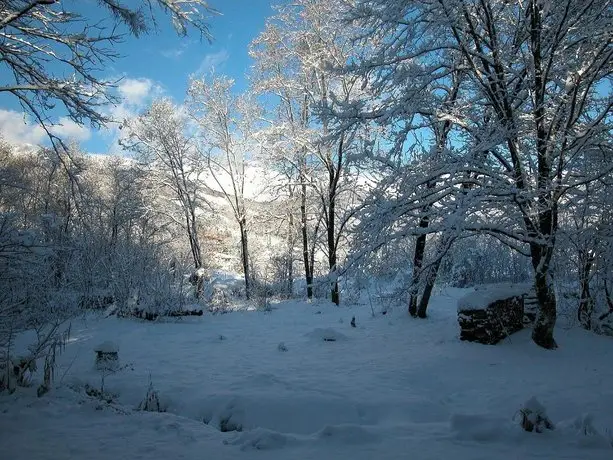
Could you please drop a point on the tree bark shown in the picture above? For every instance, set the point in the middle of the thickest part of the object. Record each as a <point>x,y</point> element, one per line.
<point>542,333</point>
<point>586,302</point>
<point>418,260</point>
<point>308,267</point>
<point>245,255</point>
<point>609,300</point>
<point>290,254</point>
<point>444,246</point>
<point>334,291</point>
<point>425,297</point>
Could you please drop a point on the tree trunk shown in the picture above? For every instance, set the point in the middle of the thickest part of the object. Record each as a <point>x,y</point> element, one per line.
<point>308,267</point>
<point>542,333</point>
<point>334,291</point>
<point>425,298</point>
<point>245,255</point>
<point>192,228</point>
<point>114,227</point>
<point>418,260</point>
<point>441,133</point>
<point>609,300</point>
<point>290,256</point>
<point>312,250</point>
<point>194,244</point>
<point>445,244</point>
<point>586,302</point>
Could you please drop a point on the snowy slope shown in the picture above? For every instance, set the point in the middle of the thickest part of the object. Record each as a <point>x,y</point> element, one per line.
<point>393,387</point>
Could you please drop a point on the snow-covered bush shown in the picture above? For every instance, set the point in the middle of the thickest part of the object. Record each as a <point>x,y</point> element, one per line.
<point>35,296</point>
<point>605,325</point>
<point>219,301</point>
<point>16,372</point>
<point>139,277</point>
<point>533,417</point>
<point>53,347</point>
<point>151,401</point>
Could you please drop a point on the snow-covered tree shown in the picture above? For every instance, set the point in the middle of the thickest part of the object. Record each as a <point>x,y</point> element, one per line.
<point>226,126</point>
<point>277,71</point>
<point>162,140</point>
<point>295,60</point>
<point>535,101</point>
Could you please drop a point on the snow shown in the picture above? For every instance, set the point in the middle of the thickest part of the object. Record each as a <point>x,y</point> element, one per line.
<point>327,334</point>
<point>107,347</point>
<point>534,406</point>
<point>483,296</point>
<point>392,388</point>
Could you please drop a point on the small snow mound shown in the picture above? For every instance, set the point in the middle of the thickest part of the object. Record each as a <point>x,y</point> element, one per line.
<point>479,427</point>
<point>327,334</point>
<point>582,429</point>
<point>486,295</point>
<point>107,347</point>
<point>260,439</point>
<point>584,425</point>
<point>347,434</point>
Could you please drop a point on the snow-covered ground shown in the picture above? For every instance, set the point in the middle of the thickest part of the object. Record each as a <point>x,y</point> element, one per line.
<point>393,387</point>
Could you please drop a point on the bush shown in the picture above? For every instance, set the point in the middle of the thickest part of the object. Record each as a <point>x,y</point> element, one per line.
<point>533,417</point>
<point>35,296</point>
<point>151,402</point>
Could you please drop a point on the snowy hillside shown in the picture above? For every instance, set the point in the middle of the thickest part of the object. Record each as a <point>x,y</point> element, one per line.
<point>392,388</point>
<point>260,183</point>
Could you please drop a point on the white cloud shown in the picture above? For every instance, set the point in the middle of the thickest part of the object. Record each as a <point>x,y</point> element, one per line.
<point>213,61</point>
<point>17,129</point>
<point>135,91</point>
<point>177,52</point>
<point>136,94</point>
<point>69,130</point>
<point>173,53</point>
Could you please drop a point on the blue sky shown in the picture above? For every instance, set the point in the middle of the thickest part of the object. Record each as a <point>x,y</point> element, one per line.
<point>160,64</point>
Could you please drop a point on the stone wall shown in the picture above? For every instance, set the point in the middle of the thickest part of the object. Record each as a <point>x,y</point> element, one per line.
<point>492,323</point>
